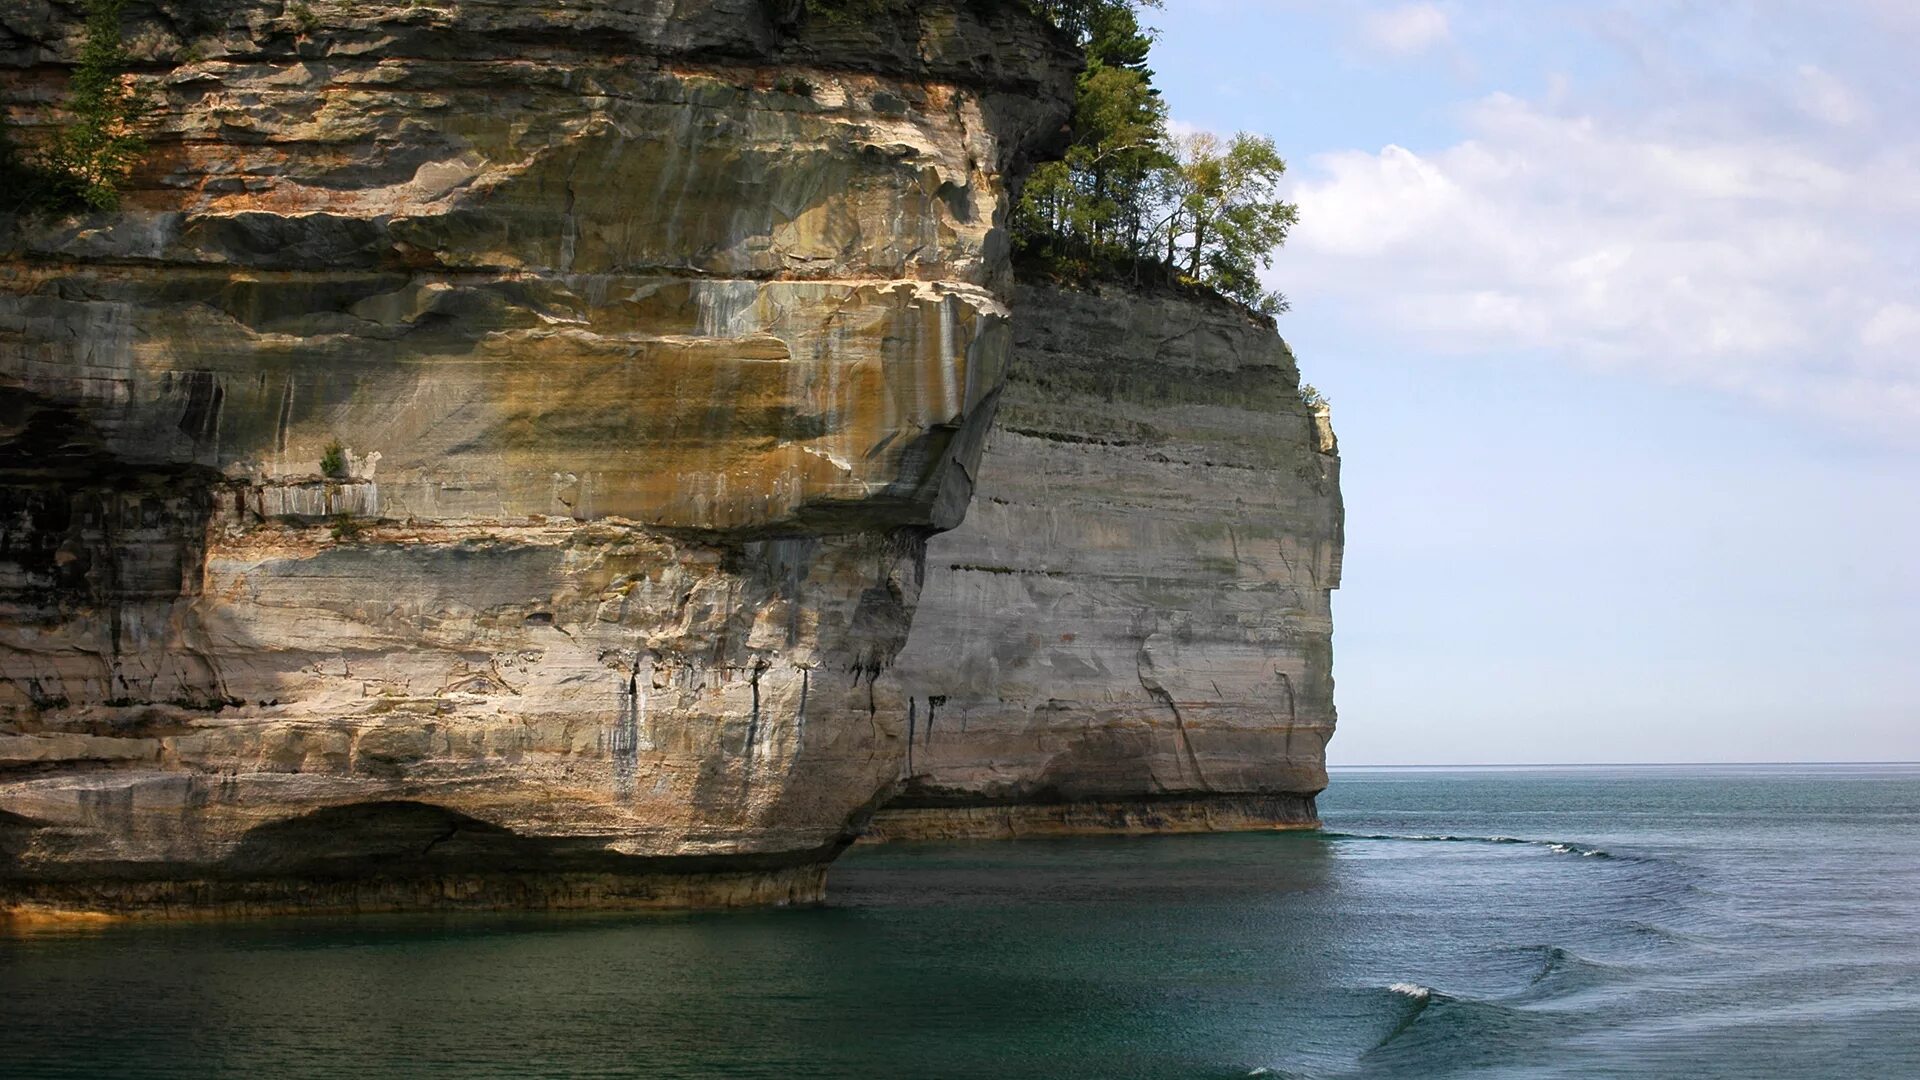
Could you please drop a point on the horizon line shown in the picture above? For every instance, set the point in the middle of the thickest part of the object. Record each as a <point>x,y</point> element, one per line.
<point>1612,764</point>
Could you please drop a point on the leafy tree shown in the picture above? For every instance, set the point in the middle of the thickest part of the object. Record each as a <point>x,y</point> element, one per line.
<point>85,163</point>
<point>1084,19</point>
<point>1226,208</point>
<point>1128,196</point>
<point>1093,202</point>
<point>1113,37</point>
<point>1121,125</point>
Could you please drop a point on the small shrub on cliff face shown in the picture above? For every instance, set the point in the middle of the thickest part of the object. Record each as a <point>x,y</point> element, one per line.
<point>333,460</point>
<point>303,17</point>
<point>1311,397</point>
<point>793,84</point>
<point>345,530</point>
<point>85,163</point>
<point>848,11</point>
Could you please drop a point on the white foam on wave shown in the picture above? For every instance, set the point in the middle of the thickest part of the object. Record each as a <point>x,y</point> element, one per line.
<point>1555,846</point>
<point>1412,990</point>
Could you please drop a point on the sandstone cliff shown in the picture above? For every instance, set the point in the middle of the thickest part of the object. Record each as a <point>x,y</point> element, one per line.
<point>1131,630</point>
<point>489,457</point>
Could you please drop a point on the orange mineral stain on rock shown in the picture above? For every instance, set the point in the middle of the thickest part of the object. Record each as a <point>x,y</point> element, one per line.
<point>488,458</point>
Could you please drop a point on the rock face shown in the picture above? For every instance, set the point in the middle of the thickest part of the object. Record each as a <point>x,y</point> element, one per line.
<point>1131,630</point>
<point>489,457</point>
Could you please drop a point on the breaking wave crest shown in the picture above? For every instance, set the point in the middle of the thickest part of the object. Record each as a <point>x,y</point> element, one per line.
<point>1430,1026</point>
<point>1558,847</point>
<point>1413,1000</point>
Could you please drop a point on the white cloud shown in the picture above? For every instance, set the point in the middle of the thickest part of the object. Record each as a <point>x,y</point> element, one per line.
<point>1692,248</point>
<point>1895,325</point>
<point>1824,97</point>
<point>1406,30</point>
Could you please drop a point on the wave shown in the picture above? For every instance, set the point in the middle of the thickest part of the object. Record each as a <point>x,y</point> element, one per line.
<point>1414,999</point>
<point>1555,960</point>
<point>1429,1027</point>
<point>1558,847</point>
<point>1660,936</point>
<point>1563,973</point>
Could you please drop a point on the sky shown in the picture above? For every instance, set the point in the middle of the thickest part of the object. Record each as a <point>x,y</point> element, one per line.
<point>1618,306</point>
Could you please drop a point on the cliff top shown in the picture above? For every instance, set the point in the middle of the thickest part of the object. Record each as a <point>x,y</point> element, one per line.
<point>1144,276</point>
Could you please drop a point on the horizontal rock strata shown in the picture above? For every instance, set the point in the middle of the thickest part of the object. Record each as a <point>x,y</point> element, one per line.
<point>506,431</point>
<point>1113,817</point>
<point>1131,631</point>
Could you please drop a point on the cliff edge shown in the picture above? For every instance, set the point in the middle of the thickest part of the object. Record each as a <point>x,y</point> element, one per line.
<point>1131,632</point>
<point>488,458</point>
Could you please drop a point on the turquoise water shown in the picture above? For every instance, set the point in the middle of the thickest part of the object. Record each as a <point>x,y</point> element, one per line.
<point>1592,922</point>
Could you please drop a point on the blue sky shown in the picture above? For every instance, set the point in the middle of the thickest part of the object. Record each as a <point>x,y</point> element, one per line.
<point>1618,303</point>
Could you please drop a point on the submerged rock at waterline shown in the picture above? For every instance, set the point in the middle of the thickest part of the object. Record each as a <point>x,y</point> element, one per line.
<point>488,458</point>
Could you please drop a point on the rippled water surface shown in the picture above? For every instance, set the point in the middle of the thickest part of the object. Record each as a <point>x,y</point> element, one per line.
<point>1590,922</point>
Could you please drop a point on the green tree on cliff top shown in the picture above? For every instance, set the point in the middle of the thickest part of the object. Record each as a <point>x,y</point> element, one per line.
<point>1128,194</point>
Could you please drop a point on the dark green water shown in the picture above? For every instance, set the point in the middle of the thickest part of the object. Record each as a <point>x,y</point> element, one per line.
<point>1663,922</point>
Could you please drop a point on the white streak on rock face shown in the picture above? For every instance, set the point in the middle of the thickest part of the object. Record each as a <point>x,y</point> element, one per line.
<point>316,499</point>
<point>950,362</point>
<point>838,462</point>
<point>606,338</point>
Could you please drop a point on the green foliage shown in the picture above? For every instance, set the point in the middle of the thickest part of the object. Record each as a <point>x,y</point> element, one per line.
<point>85,163</point>
<point>18,173</point>
<point>345,529</point>
<point>848,11</point>
<point>303,17</point>
<point>1311,397</point>
<point>333,460</point>
<point>793,84</point>
<point>1224,202</point>
<point>1085,19</point>
<point>1129,195</point>
<point>1096,198</point>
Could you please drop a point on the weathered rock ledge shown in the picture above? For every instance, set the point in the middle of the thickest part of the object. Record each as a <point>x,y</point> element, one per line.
<point>1131,631</point>
<point>392,857</point>
<point>656,337</point>
<point>1139,816</point>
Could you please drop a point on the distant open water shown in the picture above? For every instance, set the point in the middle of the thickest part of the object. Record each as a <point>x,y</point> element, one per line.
<point>1697,922</point>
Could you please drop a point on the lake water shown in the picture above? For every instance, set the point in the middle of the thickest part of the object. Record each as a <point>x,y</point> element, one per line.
<point>1692,922</point>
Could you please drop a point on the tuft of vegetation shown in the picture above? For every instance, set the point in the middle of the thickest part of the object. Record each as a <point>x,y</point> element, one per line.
<point>85,163</point>
<point>849,11</point>
<point>333,461</point>
<point>345,529</point>
<point>1311,397</point>
<point>793,84</point>
<point>1132,199</point>
<point>303,17</point>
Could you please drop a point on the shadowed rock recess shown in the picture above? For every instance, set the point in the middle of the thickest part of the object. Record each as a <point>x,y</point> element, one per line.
<point>488,458</point>
<point>1131,630</point>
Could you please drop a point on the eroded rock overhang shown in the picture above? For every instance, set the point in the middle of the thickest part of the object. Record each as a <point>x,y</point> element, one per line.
<point>510,418</point>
